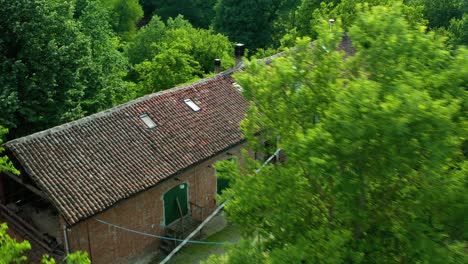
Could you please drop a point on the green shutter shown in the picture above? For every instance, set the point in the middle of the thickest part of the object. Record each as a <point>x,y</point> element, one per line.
<point>171,210</point>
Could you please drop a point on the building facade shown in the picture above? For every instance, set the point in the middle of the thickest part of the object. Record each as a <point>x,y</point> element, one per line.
<point>145,165</point>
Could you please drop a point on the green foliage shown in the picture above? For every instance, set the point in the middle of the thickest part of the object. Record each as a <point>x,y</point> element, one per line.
<point>198,12</point>
<point>165,55</point>
<point>77,257</point>
<point>285,21</point>
<point>124,16</point>
<point>311,13</point>
<point>170,67</point>
<point>5,164</point>
<point>10,250</point>
<point>446,17</point>
<point>109,65</point>
<point>54,67</point>
<point>375,170</point>
<point>248,22</point>
<point>144,46</point>
<point>46,259</point>
<point>441,12</point>
<point>203,45</point>
<point>459,30</point>
<point>307,15</point>
<point>243,253</point>
<point>29,81</point>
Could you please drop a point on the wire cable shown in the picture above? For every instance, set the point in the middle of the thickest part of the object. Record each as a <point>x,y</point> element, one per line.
<point>164,237</point>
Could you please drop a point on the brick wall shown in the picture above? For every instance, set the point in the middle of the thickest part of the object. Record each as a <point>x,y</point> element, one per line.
<point>144,212</point>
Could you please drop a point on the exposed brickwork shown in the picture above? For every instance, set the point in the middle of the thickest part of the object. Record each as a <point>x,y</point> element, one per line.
<point>144,212</point>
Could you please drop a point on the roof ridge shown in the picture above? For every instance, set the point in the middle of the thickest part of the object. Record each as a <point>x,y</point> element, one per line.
<point>117,108</point>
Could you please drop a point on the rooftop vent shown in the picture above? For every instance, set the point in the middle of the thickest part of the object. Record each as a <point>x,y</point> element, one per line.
<point>148,121</point>
<point>238,86</point>
<point>192,105</point>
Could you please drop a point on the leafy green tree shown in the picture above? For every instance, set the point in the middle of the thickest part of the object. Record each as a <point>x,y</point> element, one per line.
<point>52,63</point>
<point>144,46</point>
<point>167,69</point>
<point>41,50</point>
<point>248,22</point>
<point>5,164</point>
<point>203,45</point>
<point>305,15</point>
<point>11,251</point>
<point>459,30</point>
<point>77,257</point>
<point>375,171</point>
<point>164,55</point>
<point>311,13</point>
<point>108,64</point>
<point>198,12</point>
<point>124,16</point>
<point>441,12</point>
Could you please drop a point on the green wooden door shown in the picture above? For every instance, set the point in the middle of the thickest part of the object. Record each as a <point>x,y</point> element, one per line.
<point>171,209</point>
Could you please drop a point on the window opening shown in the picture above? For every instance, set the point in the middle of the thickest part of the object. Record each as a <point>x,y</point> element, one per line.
<point>148,121</point>
<point>192,105</point>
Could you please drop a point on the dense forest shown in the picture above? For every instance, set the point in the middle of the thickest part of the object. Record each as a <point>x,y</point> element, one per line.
<point>376,142</point>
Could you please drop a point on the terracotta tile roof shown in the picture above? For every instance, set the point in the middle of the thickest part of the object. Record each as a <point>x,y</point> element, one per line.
<point>90,164</point>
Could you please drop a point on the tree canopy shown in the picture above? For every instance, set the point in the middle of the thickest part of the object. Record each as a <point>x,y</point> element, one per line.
<point>198,12</point>
<point>375,166</point>
<point>55,67</point>
<point>11,251</point>
<point>441,12</point>
<point>5,164</point>
<point>171,53</point>
<point>124,16</point>
<point>248,22</point>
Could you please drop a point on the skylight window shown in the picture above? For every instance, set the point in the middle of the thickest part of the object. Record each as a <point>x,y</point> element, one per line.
<point>148,121</point>
<point>192,105</point>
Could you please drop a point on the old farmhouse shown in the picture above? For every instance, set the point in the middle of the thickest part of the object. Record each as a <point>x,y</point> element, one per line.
<point>143,165</point>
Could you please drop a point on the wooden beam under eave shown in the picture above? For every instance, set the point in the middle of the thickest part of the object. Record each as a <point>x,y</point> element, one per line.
<point>27,186</point>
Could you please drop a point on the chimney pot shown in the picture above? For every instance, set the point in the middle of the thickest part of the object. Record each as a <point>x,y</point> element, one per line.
<point>217,65</point>
<point>331,21</point>
<point>239,51</point>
